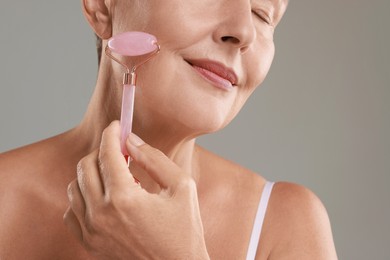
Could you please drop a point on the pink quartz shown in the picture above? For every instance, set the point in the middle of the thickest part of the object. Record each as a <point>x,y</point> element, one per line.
<point>126,115</point>
<point>132,43</point>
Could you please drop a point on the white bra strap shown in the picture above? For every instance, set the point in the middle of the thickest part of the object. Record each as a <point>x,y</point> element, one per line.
<point>255,237</point>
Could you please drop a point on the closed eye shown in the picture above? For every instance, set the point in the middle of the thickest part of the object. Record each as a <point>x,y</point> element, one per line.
<point>262,16</point>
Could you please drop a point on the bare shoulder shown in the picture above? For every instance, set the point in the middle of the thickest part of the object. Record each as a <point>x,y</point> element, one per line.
<point>38,168</point>
<point>15,167</point>
<point>228,197</point>
<point>32,199</point>
<point>298,225</point>
<point>40,160</point>
<point>24,164</point>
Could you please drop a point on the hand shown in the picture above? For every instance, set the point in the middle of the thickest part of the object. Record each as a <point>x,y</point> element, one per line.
<point>114,218</point>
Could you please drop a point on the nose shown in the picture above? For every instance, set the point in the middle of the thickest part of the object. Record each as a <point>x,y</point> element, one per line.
<point>236,28</point>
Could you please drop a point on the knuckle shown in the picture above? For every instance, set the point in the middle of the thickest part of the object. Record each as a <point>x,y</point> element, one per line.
<point>85,163</point>
<point>80,167</point>
<point>83,172</point>
<point>71,190</point>
<point>102,158</point>
<point>102,153</point>
<point>100,164</point>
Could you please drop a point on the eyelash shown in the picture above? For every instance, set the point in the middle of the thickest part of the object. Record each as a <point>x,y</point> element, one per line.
<point>262,17</point>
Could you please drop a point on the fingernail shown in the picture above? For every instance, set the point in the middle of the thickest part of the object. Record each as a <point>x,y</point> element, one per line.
<point>135,140</point>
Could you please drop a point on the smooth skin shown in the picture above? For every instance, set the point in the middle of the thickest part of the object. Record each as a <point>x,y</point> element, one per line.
<point>191,204</point>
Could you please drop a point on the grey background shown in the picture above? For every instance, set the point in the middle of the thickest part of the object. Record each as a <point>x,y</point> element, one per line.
<point>320,119</point>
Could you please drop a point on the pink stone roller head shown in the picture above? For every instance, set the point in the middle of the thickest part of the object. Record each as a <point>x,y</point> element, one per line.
<point>130,44</point>
<point>133,43</point>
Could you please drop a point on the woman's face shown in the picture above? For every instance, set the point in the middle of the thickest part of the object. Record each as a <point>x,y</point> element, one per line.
<point>214,53</point>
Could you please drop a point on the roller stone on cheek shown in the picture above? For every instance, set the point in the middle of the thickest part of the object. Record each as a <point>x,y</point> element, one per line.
<point>130,44</point>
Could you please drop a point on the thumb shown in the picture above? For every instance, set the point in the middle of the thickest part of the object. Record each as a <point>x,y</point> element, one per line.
<point>155,163</point>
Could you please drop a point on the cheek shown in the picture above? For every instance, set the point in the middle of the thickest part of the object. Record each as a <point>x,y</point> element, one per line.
<point>168,94</point>
<point>178,24</point>
<point>260,62</point>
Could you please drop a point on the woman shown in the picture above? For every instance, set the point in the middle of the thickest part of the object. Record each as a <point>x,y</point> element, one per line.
<point>190,204</point>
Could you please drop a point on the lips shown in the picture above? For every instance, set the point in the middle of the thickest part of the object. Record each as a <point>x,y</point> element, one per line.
<point>215,72</point>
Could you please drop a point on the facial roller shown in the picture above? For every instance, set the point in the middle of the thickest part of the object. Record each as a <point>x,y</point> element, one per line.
<point>130,44</point>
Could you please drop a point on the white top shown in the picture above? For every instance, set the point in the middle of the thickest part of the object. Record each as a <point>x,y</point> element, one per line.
<point>255,237</point>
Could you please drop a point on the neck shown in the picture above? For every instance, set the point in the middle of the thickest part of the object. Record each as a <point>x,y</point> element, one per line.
<point>175,143</point>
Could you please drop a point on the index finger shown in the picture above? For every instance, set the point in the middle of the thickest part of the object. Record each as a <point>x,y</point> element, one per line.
<point>113,167</point>
<point>156,164</point>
